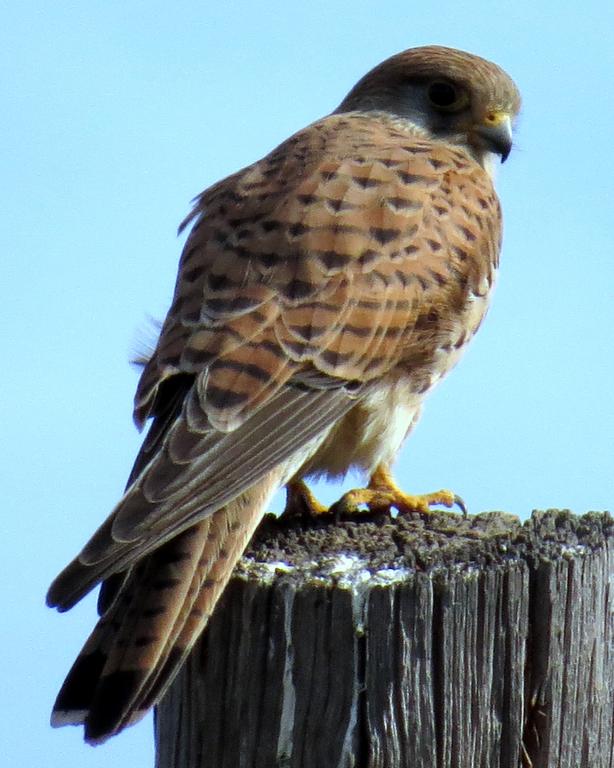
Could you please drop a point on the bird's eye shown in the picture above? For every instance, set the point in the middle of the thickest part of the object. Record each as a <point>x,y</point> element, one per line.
<point>446,97</point>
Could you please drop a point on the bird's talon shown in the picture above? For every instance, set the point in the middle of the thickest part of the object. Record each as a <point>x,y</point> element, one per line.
<point>301,502</point>
<point>339,510</point>
<point>458,502</point>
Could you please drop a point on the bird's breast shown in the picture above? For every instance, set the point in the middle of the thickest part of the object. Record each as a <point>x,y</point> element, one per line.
<point>461,330</point>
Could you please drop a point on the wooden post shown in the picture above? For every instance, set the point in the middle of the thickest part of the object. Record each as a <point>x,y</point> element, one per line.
<point>401,643</point>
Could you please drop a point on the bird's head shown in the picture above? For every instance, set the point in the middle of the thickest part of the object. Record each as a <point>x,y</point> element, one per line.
<point>447,94</point>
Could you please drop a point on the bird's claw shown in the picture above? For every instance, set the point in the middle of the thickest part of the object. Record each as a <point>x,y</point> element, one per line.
<point>300,502</point>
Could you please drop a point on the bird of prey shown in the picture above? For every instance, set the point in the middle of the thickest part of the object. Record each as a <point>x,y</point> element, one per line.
<point>322,293</point>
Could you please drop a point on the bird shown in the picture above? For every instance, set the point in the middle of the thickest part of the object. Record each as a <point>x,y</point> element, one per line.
<point>322,293</point>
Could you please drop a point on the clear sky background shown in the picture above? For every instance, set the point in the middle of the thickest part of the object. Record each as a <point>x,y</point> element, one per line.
<point>115,114</point>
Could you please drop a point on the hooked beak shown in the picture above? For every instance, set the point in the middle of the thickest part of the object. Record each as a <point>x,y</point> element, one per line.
<point>494,134</point>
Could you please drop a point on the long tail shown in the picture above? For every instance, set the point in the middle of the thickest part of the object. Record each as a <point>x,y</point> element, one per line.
<point>140,642</point>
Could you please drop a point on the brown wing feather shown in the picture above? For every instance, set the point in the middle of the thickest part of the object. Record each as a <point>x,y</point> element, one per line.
<point>182,483</point>
<point>317,256</point>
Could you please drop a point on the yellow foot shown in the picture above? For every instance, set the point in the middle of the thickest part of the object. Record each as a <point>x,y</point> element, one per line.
<point>382,493</point>
<point>301,501</point>
<point>380,500</point>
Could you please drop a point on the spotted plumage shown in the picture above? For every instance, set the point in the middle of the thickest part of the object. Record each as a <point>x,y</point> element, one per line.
<point>322,292</point>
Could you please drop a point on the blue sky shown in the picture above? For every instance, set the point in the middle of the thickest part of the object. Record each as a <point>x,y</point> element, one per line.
<point>116,115</point>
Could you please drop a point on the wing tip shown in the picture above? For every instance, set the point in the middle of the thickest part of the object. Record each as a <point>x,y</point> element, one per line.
<point>68,587</point>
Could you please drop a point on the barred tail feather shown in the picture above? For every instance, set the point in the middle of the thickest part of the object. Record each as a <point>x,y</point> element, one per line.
<point>138,646</point>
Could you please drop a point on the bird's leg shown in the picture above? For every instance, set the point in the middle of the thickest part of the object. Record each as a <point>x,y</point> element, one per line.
<point>301,501</point>
<point>383,493</point>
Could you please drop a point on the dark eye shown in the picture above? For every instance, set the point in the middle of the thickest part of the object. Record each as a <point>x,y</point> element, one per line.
<point>446,96</point>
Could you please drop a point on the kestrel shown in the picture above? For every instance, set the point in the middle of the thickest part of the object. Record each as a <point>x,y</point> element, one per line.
<point>322,292</point>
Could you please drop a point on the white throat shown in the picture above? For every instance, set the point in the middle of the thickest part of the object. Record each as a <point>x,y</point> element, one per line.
<point>490,162</point>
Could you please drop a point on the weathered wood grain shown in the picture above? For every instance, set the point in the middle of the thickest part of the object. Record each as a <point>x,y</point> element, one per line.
<point>394,643</point>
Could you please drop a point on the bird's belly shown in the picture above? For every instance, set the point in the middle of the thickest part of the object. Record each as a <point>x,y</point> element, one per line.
<point>369,434</point>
